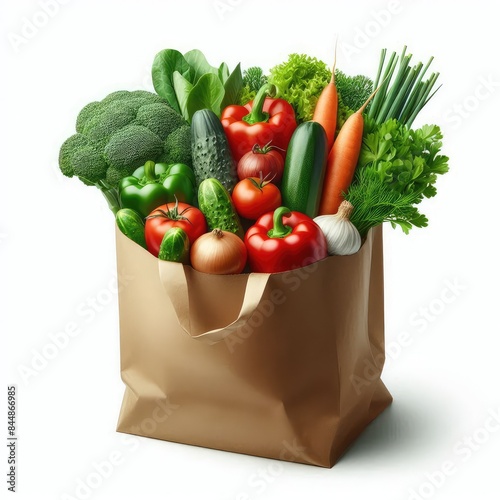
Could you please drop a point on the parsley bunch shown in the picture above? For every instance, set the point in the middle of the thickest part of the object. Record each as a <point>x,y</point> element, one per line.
<point>397,169</point>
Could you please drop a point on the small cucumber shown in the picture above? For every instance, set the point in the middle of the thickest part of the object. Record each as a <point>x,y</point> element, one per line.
<point>215,202</point>
<point>305,166</point>
<point>210,150</point>
<point>175,246</point>
<point>131,225</point>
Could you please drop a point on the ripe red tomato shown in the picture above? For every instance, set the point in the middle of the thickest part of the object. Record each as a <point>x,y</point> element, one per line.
<point>182,215</point>
<point>253,197</point>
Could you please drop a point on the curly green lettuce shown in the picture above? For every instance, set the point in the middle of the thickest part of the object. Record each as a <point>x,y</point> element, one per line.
<point>300,81</point>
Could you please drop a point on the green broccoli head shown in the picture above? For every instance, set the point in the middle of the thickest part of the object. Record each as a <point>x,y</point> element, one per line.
<point>178,146</point>
<point>106,122</point>
<point>129,146</point>
<point>86,114</point>
<point>69,147</point>
<point>120,133</point>
<point>160,119</point>
<point>78,157</point>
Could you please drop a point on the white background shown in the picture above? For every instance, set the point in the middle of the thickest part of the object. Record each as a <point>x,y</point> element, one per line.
<point>57,252</point>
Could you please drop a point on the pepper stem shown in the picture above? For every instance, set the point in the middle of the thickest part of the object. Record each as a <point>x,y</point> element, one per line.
<point>279,230</point>
<point>149,171</point>
<point>257,115</point>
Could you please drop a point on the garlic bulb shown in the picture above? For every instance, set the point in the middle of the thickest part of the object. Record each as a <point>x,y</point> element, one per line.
<point>341,235</point>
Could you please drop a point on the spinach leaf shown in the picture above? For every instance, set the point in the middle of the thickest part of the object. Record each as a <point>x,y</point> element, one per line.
<point>188,82</point>
<point>165,64</point>
<point>232,87</point>
<point>199,65</point>
<point>182,89</point>
<point>223,72</point>
<point>207,93</point>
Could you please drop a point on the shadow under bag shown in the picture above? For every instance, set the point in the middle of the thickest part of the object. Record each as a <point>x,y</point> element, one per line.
<point>283,365</point>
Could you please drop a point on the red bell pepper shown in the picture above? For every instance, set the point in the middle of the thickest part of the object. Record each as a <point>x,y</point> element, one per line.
<point>261,121</point>
<point>283,240</point>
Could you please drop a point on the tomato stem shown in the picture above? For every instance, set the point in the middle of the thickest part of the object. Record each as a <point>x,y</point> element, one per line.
<point>171,213</point>
<point>263,181</point>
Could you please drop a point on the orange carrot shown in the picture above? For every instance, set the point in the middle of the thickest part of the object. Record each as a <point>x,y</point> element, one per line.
<point>342,161</point>
<point>325,111</point>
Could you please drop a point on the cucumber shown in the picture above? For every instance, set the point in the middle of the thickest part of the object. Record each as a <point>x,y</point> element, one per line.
<point>131,225</point>
<point>215,202</point>
<point>305,166</point>
<point>175,246</point>
<point>210,150</point>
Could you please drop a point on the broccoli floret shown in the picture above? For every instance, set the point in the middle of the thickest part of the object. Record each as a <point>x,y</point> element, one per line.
<point>128,148</point>
<point>70,145</point>
<point>136,96</point>
<point>160,119</point>
<point>114,175</point>
<point>178,146</point>
<point>86,114</point>
<point>89,164</point>
<point>118,95</point>
<point>118,134</point>
<point>354,90</point>
<point>104,124</point>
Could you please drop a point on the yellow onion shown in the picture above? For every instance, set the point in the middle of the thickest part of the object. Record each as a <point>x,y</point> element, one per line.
<point>218,252</point>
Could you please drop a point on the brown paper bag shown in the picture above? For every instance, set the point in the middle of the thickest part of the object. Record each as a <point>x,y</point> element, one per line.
<point>282,365</point>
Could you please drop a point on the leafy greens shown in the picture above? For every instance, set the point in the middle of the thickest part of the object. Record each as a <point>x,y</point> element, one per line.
<point>300,81</point>
<point>376,202</point>
<point>353,90</point>
<point>189,83</point>
<point>253,79</point>
<point>397,169</point>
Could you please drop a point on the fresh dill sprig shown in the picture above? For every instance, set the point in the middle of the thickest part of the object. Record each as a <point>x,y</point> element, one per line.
<point>376,202</point>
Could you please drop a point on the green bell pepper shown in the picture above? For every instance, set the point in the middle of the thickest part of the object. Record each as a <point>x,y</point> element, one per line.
<point>180,168</point>
<point>153,185</point>
<point>160,169</point>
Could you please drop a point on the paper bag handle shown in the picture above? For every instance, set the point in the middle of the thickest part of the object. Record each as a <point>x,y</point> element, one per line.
<point>174,280</point>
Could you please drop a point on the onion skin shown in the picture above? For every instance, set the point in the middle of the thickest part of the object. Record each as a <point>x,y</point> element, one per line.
<point>268,161</point>
<point>219,252</point>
